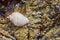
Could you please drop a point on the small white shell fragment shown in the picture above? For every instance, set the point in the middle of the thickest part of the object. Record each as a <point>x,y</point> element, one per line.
<point>18,19</point>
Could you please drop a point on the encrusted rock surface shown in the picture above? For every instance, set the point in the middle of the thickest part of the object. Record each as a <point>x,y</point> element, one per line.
<point>44,21</point>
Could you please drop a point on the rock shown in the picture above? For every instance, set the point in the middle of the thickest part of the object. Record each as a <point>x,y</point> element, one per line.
<point>4,20</point>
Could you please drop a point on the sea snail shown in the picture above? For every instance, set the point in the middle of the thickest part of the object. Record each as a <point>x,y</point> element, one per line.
<point>18,19</point>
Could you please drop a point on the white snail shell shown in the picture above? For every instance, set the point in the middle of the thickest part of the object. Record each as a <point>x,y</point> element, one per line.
<point>18,19</point>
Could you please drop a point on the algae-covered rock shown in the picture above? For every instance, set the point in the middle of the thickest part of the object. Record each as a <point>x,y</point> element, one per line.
<point>22,34</point>
<point>44,20</point>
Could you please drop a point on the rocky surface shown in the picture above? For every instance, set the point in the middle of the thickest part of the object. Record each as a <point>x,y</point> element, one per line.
<point>44,21</point>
